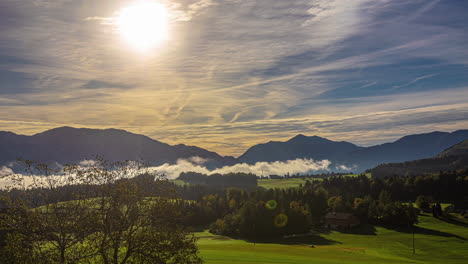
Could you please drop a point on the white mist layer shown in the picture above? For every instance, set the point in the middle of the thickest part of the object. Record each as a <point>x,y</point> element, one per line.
<point>296,166</point>
<point>195,164</point>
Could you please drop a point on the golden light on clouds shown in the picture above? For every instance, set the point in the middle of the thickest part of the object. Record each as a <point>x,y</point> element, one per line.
<point>143,24</point>
<point>224,75</point>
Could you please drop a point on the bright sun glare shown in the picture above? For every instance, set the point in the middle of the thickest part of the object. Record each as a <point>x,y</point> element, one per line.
<point>143,24</point>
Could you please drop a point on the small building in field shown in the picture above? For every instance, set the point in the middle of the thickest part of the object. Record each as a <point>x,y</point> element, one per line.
<point>450,208</point>
<point>340,220</point>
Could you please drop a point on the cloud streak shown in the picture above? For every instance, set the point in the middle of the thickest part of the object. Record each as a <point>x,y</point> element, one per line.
<point>236,73</point>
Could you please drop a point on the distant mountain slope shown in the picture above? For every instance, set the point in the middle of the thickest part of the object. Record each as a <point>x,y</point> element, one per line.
<point>299,146</point>
<point>459,149</point>
<point>454,158</point>
<point>71,145</point>
<point>407,148</point>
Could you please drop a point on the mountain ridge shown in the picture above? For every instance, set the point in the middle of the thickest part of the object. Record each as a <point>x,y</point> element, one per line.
<point>451,159</point>
<point>71,145</point>
<point>298,146</point>
<point>406,148</point>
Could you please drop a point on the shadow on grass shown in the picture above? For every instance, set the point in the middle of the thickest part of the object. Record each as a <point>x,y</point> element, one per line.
<point>363,229</point>
<point>452,220</point>
<point>315,238</point>
<point>424,231</point>
<point>312,240</point>
<point>197,228</point>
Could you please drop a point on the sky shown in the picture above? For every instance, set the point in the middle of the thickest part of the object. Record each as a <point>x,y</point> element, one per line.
<point>233,73</point>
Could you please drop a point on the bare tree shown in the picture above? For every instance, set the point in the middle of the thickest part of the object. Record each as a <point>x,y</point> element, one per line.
<point>110,218</point>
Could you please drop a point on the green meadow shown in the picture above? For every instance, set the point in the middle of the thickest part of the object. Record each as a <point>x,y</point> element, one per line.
<point>291,182</point>
<point>279,183</point>
<point>283,183</point>
<point>436,241</point>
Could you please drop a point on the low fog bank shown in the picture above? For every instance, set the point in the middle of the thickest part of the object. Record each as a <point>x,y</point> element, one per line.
<point>297,166</point>
<point>196,164</point>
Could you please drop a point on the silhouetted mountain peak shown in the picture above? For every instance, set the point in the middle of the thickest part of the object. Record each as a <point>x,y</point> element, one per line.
<point>66,130</point>
<point>67,133</point>
<point>422,137</point>
<point>300,138</point>
<point>57,130</point>
<point>300,146</point>
<point>70,145</point>
<point>7,133</point>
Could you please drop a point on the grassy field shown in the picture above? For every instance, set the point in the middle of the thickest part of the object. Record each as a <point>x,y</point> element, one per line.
<point>179,182</point>
<point>291,182</point>
<point>283,183</point>
<point>436,241</point>
<point>270,183</point>
<point>280,183</point>
<point>355,175</point>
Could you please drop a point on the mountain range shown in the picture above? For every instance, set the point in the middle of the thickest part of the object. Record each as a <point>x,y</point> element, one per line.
<point>300,146</point>
<point>357,158</point>
<point>452,159</point>
<point>71,145</point>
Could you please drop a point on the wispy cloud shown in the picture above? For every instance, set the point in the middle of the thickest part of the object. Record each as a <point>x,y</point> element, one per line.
<point>235,73</point>
<point>415,80</point>
<point>426,7</point>
<point>367,85</point>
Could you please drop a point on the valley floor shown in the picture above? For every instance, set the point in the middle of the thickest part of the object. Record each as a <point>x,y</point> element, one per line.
<point>436,241</point>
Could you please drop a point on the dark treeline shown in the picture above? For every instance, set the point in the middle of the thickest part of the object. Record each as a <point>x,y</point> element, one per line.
<point>276,212</point>
<point>318,176</point>
<point>385,201</point>
<point>147,184</point>
<point>450,187</point>
<point>257,212</point>
<point>240,180</point>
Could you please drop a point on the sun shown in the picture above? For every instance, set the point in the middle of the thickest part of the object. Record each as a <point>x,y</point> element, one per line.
<point>144,24</point>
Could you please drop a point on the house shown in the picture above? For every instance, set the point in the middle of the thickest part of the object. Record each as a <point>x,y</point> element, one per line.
<point>340,220</point>
<point>450,209</point>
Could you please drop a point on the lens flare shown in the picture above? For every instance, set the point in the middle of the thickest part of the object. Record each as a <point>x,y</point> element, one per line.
<point>281,220</point>
<point>271,204</point>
